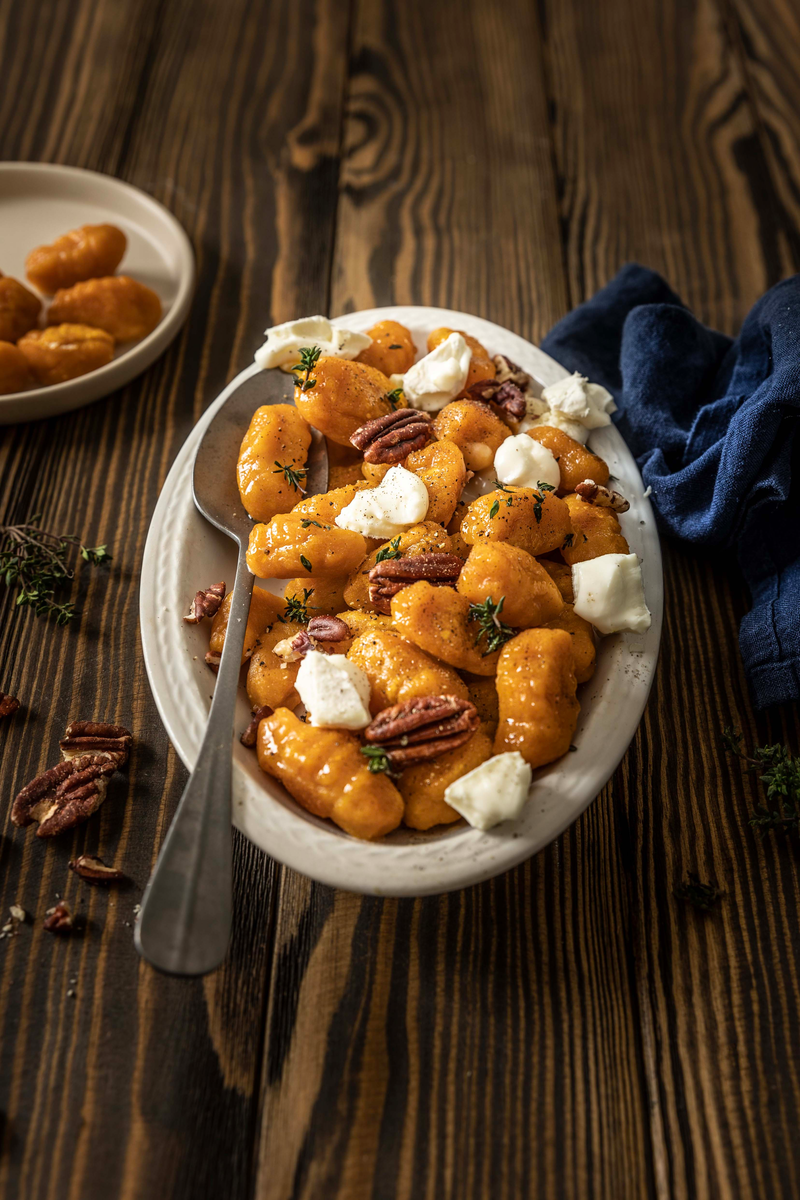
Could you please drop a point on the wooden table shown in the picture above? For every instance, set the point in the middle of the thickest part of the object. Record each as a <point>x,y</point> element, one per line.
<point>570,1029</point>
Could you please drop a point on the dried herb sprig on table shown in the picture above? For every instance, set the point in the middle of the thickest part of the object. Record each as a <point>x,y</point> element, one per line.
<point>779,773</point>
<point>491,627</point>
<point>36,563</point>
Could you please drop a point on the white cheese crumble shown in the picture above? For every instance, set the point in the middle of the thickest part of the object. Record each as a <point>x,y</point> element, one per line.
<point>495,791</point>
<point>334,690</point>
<point>647,492</point>
<point>284,342</point>
<point>524,462</point>
<point>610,594</point>
<point>399,501</point>
<point>439,376</point>
<point>573,404</point>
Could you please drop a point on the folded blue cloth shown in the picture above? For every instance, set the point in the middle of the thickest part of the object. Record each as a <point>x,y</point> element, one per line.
<point>713,424</point>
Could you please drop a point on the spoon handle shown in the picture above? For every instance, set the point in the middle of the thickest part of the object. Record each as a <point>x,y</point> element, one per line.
<point>185,923</point>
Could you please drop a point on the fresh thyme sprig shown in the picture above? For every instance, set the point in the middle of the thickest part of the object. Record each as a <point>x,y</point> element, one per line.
<point>309,357</point>
<point>378,761</point>
<point>297,609</point>
<point>491,627</point>
<point>391,551</point>
<point>35,562</point>
<point>395,395</point>
<point>779,773</point>
<point>539,499</point>
<point>700,895</point>
<point>291,474</point>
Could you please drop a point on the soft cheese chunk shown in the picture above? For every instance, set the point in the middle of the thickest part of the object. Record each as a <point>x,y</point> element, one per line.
<point>439,376</point>
<point>284,342</point>
<point>574,405</point>
<point>334,690</point>
<point>399,501</point>
<point>495,791</point>
<point>525,462</point>
<point>609,593</point>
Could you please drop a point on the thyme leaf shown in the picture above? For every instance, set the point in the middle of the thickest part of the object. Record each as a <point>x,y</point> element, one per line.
<point>378,761</point>
<point>700,895</point>
<point>390,551</point>
<point>395,395</point>
<point>779,774</point>
<point>297,609</point>
<point>36,563</point>
<point>306,563</point>
<point>291,474</point>
<point>491,627</point>
<point>309,357</point>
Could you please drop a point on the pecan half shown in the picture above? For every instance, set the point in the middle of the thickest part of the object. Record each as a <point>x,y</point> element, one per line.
<point>205,604</point>
<point>213,660</point>
<point>423,728</point>
<point>96,737</point>
<point>327,629</point>
<point>505,398</point>
<point>250,735</point>
<point>59,919</point>
<point>603,497</point>
<point>387,578</point>
<point>391,438</point>
<point>8,705</point>
<point>94,870</point>
<point>505,369</point>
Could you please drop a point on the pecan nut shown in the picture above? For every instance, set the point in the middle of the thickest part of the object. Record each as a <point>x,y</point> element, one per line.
<point>391,438</point>
<point>506,370</point>
<point>94,870</point>
<point>213,660</point>
<point>96,737</point>
<point>423,728</point>
<point>205,604</point>
<point>387,578</point>
<point>8,705</point>
<point>504,397</point>
<point>327,629</point>
<point>603,497</point>
<point>59,919</point>
<point>70,792</point>
<point>250,735</point>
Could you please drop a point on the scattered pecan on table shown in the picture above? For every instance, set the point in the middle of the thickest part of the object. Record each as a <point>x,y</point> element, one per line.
<point>70,792</point>
<point>422,728</point>
<point>388,577</point>
<point>59,919</point>
<point>94,870</point>
<point>603,497</point>
<point>391,438</point>
<point>205,604</point>
<point>8,705</point>
<point>250,734</point>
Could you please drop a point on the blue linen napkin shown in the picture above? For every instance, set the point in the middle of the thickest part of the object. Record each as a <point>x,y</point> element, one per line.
<point>713,425</point>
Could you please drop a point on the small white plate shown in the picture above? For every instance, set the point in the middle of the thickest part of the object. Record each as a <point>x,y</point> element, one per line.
<point>184,552</point>
<point>41,201</point>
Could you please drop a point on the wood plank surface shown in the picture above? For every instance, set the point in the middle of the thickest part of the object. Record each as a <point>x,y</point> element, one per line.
<point>570,1029</point>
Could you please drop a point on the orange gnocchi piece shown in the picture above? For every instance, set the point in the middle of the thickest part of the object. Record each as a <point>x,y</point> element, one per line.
<point>64,352</point>
<point>475,428</point>
<point>575,462</point>
<point>15,374</point>
<point>392,351</point>
<point>441,468</point>
<point>399,670</point>
<point>437,619</point>
<point>272,461</point>
<point>498,569</point>
<point>84,253</point>
<point>19,309</point>
<point>425,538</point>
<point>265,608</point>
<point>291,544</point>
<point>536,687</point>
<point>326,772</point>
<point>584,651</point>
<point>423,786</point>
<point>118,304</point>
<point>595,531</point>
<point>345,395</point>
<point>536,521</point>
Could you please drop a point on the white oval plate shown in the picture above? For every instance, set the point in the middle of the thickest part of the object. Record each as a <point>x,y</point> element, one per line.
<point>41,201</point>
<point>184,552</point>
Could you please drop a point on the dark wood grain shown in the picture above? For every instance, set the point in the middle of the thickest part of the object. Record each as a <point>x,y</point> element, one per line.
<point>570,1029</point>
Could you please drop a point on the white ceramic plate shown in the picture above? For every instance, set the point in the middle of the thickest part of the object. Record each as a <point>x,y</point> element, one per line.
<point>184,552</point>
<point>41,201</point>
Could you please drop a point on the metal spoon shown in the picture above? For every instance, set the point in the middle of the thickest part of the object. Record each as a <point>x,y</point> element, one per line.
<point>185,922</point>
